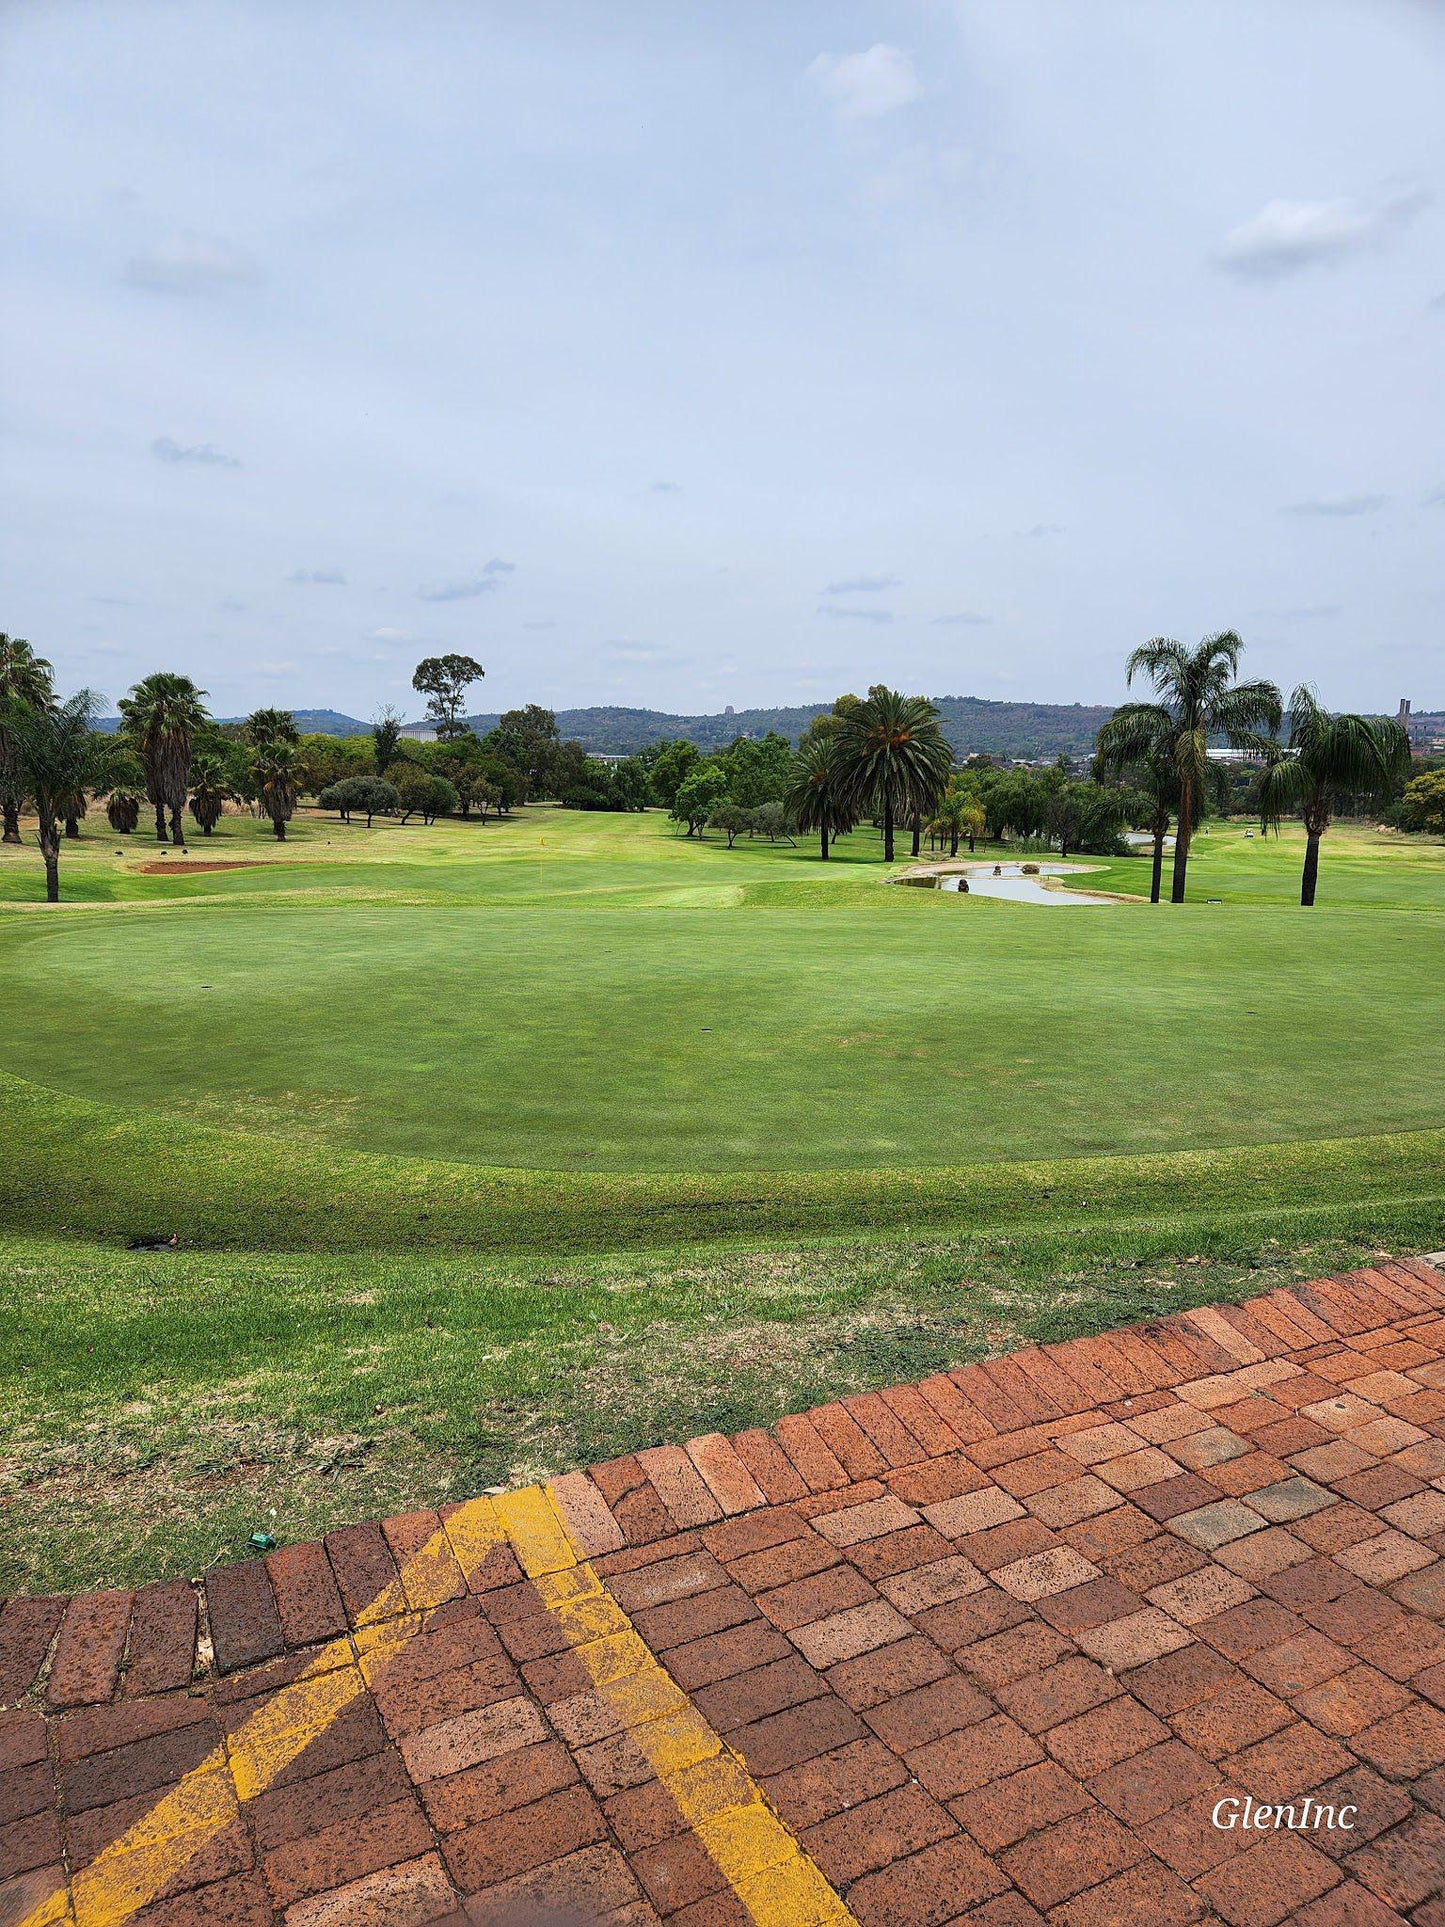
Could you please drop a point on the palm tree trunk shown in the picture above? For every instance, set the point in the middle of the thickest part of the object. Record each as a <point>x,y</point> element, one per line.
<point>72,828</point>
<point>888,829</point>
<point>176,837</point>
<point>279,825</point>
<point>1156,881</point>
<point>917,830</point>
<point>160,822</point>
<point>1181,839</point>
<point>50,851</point>
<point>823,832</point>
<point>1311,871</point>
<point>11,813</point>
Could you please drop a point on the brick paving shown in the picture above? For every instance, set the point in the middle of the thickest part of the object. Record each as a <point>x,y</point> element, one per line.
<point>985,1649</point>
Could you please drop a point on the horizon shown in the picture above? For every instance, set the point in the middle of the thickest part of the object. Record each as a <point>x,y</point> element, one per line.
<point>946,345</point>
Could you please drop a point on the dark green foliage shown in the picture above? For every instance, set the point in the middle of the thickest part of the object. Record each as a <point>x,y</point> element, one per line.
<point>366,795</point>
<point>56,756</point>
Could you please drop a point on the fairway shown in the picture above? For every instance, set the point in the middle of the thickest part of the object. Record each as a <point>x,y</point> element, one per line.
<point>595,994</point>
<point>492,1151</point>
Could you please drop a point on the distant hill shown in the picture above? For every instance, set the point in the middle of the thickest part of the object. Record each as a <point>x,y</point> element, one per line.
<point>972,724</point>
<point>310,722</point>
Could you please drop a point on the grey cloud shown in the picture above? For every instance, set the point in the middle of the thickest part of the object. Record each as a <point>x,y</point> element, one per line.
<point>331,576</point>
<point>1436,498</point>
<point>1041,529</point>
<point>201,453</point>
<point>1340,506</point>
<point>839,613</point>
<point>863,585</point>
<point>1287,236</point>
<point>475,585</point>
<point>666,488</point>
<point>964,619</point>
<point>191,264</point>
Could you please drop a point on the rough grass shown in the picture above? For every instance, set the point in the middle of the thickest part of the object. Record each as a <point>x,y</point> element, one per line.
<point>157,1409</point>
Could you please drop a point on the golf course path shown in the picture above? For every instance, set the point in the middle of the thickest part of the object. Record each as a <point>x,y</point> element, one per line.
<point>992,1648</point>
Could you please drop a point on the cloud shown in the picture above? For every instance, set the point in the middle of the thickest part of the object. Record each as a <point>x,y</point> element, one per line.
<point>191,264</point>
<point>548,624</point>
<point>202,453</point>
<point>1339,506</point>
<point>331,576</point>
<point>964,619</point>
<point>231,605</point>
<point>666,488</point>
<point>1287,236</point>
<point>863,585</point>
<point>622,650</point>
<point>475,585</point>
<point>115,601</point>
<point>1435,499</point>
<point>868,85</point>
<point>1042,529</point>
<point>390,635</point>
<point>842,613</point>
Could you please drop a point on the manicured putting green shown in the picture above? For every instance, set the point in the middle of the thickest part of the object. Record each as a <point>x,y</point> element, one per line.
<point>624,1001</point>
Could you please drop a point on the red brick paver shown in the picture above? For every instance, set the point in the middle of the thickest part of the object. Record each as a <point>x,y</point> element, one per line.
<point>993,1648</point>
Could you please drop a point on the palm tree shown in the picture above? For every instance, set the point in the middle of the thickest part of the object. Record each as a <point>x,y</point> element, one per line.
<point>815,798</point>
<point>24,678</point>
<point>55,753</point>
<point>122,807</point>
<point>1198,698</point>
<point>894,757</point>
<point>1136,743</point>
<point>270,726</point>
<point>161,715</point>
<point>277,768</point>
<point>1328,754</point>
<point>209,789</point>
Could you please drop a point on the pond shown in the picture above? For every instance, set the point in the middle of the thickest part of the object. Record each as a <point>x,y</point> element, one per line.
<point>1008,880</point>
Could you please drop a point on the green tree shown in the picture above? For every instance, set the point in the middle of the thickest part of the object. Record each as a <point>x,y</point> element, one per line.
<point>1327,754</point>
<point>1422,806</point>
<point>276,767</point>
<point>674,762</point>
<point>122,807</point>
<point>161,716</point>
<point>419,793</point>
<point>368,795</point>
<point>25,679</point>
<point>758,771</point>
<point>529,739</point>
<point>817,795</point>
<point>270,726</point>
<point>1197,698</point>
<point>386,738</point>
<point>895,759</point>
<point>57,756</point>
<point>698,795</point>
<point>1137,743</point>
<point>210,786</point>
<point>732,819</point>
<point>444,681</point>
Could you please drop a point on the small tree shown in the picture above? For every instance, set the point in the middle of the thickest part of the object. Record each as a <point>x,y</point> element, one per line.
<point>385,738</point>
<point>57,757</point>
<point>369,795</point>
<point>421,794</point>
<point>209,789</point>
<point>25,679</point>
<point>444,681</point>
<point>732,819</point>
<point>698,796</point>
<point>122,807</point>
<point>817,795</point>
<point>1422,806</point>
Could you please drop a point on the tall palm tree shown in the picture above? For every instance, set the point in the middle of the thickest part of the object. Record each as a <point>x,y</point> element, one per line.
<point>1327,754</point>
<point>277,768</point>
<point>816,796</point>
<point>270,726</point>
<point>24,678</point>
<point>55,752</point>
<point>209,789</point>
<point>895,759</point>
<point>1197,698</point>
<point>161,715</point>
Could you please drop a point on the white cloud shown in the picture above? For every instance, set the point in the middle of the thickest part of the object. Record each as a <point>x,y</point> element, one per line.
<point>192,264</point>
<point>1287,236</point>
<point>839,612</point>
<point>481,584</point>
<point>863,585</point>
<point>1340,505</point>
<point>868,85</point>
<point>963,619</point>
<point>331,576</point>
<point>202,453</point>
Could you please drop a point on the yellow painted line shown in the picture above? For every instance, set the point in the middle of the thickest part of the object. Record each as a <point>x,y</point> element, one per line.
<point>771,1874</point>
<point>778,1883</point>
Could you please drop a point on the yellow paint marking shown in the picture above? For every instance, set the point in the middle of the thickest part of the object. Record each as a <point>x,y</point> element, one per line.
<point>776,1881</point>
<point>763,1864</point>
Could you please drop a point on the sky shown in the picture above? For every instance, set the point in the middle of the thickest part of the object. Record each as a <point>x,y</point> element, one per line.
<point>678,354</point>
